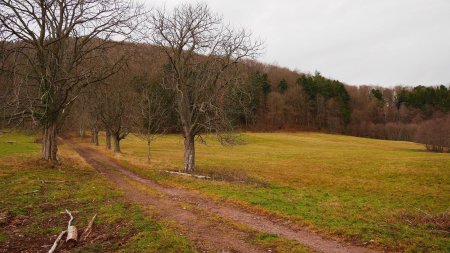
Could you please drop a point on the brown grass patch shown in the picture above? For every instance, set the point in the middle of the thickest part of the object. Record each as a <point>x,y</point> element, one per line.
<point>230,175</point>
<point>435,221</point>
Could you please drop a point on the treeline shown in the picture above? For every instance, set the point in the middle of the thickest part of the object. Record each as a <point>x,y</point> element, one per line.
<point>298,101</point>
<point>268,98</point>
<point>271,98</point>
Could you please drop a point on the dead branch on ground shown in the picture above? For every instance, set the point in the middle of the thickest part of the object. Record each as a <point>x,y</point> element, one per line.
<point>187,174</point>
<point>88,229</point>
<point>58,239</point>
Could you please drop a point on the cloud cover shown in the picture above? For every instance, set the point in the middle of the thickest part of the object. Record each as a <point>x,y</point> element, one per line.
<point>384,42</point>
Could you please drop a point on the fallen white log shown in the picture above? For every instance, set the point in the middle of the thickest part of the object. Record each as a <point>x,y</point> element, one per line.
<point>72,235</point>
<point>186,174</point>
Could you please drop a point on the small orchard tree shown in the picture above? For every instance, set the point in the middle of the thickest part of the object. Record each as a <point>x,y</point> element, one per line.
<point>201,53</point>
<point>154,109</point>
<point>55,49</point>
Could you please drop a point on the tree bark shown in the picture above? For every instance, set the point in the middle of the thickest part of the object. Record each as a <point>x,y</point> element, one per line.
<point>49,145</point>
<point>149,156</point>
<point>189,153</point>
<point>108,139</point>
<point>116,143</point>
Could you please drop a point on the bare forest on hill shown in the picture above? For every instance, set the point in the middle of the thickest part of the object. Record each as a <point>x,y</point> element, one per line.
<point>269,98</point>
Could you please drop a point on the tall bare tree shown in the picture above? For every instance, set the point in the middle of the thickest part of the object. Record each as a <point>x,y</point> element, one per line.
<point>55,48</point>
<point>201,52</point>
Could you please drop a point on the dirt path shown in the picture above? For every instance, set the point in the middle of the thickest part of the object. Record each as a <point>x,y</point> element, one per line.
<point>209,234</point>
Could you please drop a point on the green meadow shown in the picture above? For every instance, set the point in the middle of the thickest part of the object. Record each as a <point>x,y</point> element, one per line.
<point>392,194</point>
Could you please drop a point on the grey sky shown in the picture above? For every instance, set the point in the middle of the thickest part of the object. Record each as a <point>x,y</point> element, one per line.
<point>385,42</point>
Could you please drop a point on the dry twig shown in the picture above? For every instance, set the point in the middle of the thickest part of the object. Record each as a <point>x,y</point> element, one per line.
<point>88,229</point>
<point>58,239</point>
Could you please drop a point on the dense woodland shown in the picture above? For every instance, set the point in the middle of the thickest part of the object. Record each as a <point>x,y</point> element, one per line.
<point>184,72</point>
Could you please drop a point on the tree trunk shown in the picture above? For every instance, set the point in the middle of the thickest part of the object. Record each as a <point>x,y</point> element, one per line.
<point>95,136</point>
<point>108,139</point>
<point>149,156</point>
<point>82,130</point>
<point>49,145</point>
<point>189,153</point>
<point>116,143</point>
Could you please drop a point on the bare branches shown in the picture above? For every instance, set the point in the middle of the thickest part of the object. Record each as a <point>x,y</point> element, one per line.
<point>154,109</point>
<point>202,53</point>
<point>54,49</point>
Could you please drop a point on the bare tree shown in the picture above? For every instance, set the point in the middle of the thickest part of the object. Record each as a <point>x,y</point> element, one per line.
<point>202,53</point>
<point>154,110</point>
<point>113,104</point>
<point>55,49</point>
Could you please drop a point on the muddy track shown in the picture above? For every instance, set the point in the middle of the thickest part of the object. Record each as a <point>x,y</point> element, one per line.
<point>209,234</point>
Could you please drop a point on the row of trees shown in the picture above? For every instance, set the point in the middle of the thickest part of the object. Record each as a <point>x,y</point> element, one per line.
<point>66,56</point>
<point>49,50</point>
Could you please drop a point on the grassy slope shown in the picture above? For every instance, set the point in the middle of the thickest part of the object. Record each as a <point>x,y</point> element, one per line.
<point>33,218</point>
<point>392,194</point>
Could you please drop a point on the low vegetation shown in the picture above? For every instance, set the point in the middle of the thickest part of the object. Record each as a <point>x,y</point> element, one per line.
<point>390,194</point>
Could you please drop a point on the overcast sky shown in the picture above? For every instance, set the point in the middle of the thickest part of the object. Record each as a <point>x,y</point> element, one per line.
<point>384,42</point>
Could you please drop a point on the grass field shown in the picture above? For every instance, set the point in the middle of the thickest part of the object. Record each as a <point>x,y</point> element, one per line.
<point>390,194</point>
<point>34,193</point>
<point>393,195</point>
